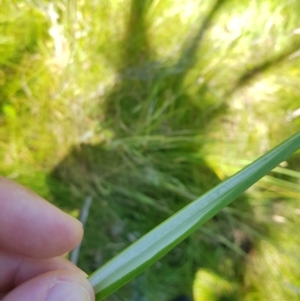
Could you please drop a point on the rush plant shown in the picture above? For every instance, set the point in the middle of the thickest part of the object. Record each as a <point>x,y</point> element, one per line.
<point>151,247</point>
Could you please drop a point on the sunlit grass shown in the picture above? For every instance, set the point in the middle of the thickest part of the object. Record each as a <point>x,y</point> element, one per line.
<point>161,123</point>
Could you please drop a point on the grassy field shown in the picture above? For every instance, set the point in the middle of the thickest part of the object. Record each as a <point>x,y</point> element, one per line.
<point>144,106</point>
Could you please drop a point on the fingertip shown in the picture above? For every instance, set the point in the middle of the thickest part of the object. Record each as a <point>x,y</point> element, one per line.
<point>73,230</point>
<point>33,227</point>
<point>63,290</point>
<point>54,286</point>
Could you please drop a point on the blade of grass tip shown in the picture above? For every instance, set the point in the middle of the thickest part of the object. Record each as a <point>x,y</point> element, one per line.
<point>151,247</point>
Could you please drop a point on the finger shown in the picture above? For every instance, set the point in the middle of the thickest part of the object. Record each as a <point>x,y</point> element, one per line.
<point>16,269</point>
<point>31,226</point>
<point>53,286</point>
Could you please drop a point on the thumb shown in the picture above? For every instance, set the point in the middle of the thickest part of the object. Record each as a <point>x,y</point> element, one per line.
<point>53,286</point>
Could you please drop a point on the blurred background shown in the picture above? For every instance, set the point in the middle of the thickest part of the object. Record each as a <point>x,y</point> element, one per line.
<point>144,105</point>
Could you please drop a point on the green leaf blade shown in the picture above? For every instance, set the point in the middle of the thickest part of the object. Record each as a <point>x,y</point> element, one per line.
<point>151,247</point>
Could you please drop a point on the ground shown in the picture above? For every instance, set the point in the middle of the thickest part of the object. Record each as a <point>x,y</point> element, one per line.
<point>144,106</point>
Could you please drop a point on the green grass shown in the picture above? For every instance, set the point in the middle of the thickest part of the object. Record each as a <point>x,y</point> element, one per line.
<point>158,242</point>
<point>145,105</point>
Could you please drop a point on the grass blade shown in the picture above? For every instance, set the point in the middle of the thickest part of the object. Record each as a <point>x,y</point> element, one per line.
<point>151,247</point>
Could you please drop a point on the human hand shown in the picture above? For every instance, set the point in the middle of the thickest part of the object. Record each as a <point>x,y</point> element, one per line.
<point>33,236</point>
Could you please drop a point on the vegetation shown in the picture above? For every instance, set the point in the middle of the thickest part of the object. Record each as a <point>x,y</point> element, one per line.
<point>155,244</point>
<point>146,105</point>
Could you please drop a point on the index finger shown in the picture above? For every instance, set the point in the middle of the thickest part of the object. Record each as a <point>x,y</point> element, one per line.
<point>32,227</point>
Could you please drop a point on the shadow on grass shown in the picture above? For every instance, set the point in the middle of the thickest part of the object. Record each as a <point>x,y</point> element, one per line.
<point>265,66</point>
<point>151,167</point>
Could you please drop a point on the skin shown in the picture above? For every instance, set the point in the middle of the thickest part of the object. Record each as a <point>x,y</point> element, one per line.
<point>33,237</point>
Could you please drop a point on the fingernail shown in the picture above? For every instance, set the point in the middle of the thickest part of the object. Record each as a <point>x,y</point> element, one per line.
<point>62,291</point>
